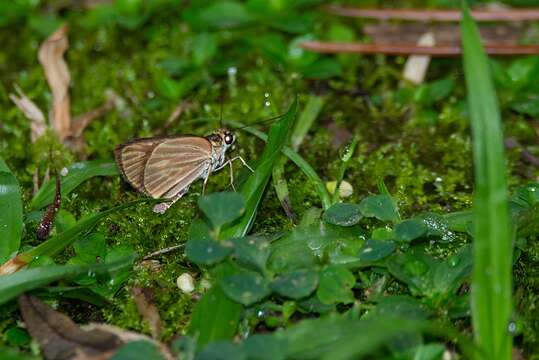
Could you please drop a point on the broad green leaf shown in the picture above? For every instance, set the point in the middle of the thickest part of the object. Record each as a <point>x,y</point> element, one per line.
<point>339,338</point>
<point>17,336</point>
<point>410,229</point>
<point>24,280</point>
<point>207,251</point>
<point>138,350</point>
<point>492,307</point>
<point>253,188</point>
<point>245,288</point>
<point>381,207</point>
<point>335,285</point>
<point>400,305</point>
<point>215,316</point>
<point>76,174</point>
<point>343,214</point>
<point>221,350</point>
<point>252,252</point>
<point>222,208</point>
<point>91,248</point>
<point>374,250</point>
<point>296,284</point>
<point>264,347</point>
<point>10,213</point>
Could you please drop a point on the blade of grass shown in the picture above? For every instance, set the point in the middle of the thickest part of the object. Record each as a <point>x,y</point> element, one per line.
<point>76,174</point>
<point>492,281</point>
<point>57,243</point>
<point>253,188</point>
<point>296,159</point>
<point>10,213</point>
<point>15,284</point>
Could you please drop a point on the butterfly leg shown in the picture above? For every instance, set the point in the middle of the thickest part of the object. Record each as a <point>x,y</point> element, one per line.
<point>204,184</point>
<point>231,175</point>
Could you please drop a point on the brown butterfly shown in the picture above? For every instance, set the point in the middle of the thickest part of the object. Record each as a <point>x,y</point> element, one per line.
<point>165,167</point>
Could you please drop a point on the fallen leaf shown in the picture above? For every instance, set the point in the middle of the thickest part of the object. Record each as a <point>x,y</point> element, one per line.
<point>59,337</point>
<point>51,57</point>
<point>32,113</point>
<point>146,307</point>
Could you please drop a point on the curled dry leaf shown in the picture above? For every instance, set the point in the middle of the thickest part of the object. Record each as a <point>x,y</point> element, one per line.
<point>146,307</point>
<point>32,113</point>
<point>59,337</point>
<point>51,57</point>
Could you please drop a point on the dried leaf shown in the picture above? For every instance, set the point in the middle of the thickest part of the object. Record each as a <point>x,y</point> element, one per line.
<point>51,58</point>
<point>59,337</point>
<point>144,300</point>
<point>45,226</point>
<point>32,113</point>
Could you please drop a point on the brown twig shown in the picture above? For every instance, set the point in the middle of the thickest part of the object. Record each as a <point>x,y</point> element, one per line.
<point>435,15</point>
<point>408,49</point>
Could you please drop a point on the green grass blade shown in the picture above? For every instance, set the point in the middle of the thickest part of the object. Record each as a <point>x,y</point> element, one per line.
<point>306,119</point>
<point>10,213</point>
<point>253,188</point>
<point>76,174</point>
<point>296,159</point>
<point>60,241</point>
<point>25,280</point>
<point>491,285</point>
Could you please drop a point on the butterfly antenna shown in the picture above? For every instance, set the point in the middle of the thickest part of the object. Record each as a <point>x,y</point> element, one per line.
<point>265,121</point>
<point>221,109</point>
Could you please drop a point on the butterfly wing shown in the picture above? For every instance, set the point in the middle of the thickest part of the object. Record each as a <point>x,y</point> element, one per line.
<point>132,157</point>
<point>174,164</point>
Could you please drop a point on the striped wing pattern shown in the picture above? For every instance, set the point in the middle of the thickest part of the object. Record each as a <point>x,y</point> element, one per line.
<point>164,167</point>
<point>131,158</point>
<point>175,164</point>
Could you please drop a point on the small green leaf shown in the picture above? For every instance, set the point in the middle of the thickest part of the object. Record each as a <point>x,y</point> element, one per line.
<point>264,347</point>
<point>91,248</point>
<point>335,284</point>
<point>10,213</point>
<point>204,48</point>
<point>219,15</point>
<point>245,288</point>
<point>381,207</point>
<point>409,230</point>
<point>64,221</point>
<point>428,94</point>
<point>252,252</point>
<point>375,250</point>
<point>138,350</point>
<point>343,214</point>
<point>322,69</point>
<point>383,234</point>
<point>76,174</point>
<point>296,284</point>
<point>17,336</point>
<point>207,252</point>
<point>222,208</point>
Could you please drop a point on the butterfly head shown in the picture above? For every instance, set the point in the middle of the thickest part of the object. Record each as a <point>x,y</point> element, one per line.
<point>227,137</point>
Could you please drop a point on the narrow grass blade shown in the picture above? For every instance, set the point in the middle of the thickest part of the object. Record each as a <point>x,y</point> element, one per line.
<point>253,188</point>
<point>296,159</point>
<point>492,281</point>
<point>76,174</point>
<point>10,212</point>
<point>15,284</point>
<point>59,242</point>
<point>306,119</point>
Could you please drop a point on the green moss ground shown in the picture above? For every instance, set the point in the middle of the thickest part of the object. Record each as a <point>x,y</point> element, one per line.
<point>425,161</point>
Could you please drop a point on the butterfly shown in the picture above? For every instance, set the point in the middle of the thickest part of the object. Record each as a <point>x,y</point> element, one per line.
<point>165,167</point>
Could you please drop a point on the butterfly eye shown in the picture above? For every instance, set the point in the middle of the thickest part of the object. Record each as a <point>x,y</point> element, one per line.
<point>229,139</point>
